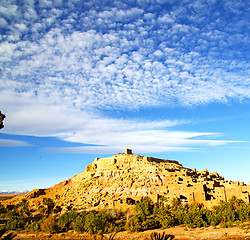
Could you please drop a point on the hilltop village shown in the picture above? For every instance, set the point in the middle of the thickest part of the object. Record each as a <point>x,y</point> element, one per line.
<point>121,180</point>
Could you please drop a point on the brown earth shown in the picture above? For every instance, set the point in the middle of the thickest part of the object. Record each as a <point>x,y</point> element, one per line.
<point>9,196</point>
<point>180,233</point>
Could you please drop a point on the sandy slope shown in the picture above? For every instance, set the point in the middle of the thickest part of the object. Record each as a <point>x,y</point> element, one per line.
<point>180,233</point>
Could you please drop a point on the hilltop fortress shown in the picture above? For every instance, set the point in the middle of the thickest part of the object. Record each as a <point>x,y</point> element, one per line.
<point>148,176</point>
<point>121,180</point>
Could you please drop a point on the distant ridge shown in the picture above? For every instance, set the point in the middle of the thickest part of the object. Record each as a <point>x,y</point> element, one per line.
<point>13,192</point>
<point>121,180</point>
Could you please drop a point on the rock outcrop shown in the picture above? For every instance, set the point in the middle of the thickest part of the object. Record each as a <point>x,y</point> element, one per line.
<point>119,181</point>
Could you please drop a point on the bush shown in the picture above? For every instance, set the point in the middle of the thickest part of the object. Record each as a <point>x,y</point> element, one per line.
<point>150,223</point>
<point>79,223</point>
<point>223,214</point>
<point>164,216</point>
<point>2,209</point>
<point>143,218</point>
<point>196,216</point>
<point>49,225</point>
<point>146,216</point>
<point>97,223</point>
<point>176,204</point>
<point>14,224</point>
<point>32,226</point>
<point>243,212</point>
<point>134,224</point>
<point>14,221</point>
<point>179,215</point>
<point>144,208</point>
<point>66,219</point>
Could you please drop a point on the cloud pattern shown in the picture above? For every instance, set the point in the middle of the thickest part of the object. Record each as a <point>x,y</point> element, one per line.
<point>76,58</point>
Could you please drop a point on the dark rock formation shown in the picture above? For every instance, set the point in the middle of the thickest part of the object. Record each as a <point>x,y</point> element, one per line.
<point>2,117</point>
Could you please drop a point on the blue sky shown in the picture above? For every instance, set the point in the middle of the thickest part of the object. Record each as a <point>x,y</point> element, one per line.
<point>86,79</point>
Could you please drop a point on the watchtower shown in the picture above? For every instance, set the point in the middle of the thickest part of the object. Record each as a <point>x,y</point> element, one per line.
<point>128,151</point>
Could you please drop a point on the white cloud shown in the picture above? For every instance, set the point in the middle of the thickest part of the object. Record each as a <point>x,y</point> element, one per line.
<point>8,10</point>
<point>20,26</point>
<point>128,15</point>
<point>7,51</point>
<point>81,56</point>
<point>3,23</point>
<point>117,149</point>
<point>38,117</point>
<point>45,3</point>
<point>12,143</point>
<point>70,63</point>
<point>29,115</point>
<point>166,19</point>
<point>140,146</point>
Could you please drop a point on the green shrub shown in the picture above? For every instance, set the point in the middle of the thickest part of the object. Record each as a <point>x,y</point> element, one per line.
<point>11,214</point>
<point>179,215</point>
<point>146,216</point>
<point>144,208</point>
<point>96,223</point>
<point>32,226</point>
<point>66,219</point>
<point>79,223</point>
<point>143,216</point>
<point>14,224</point>
<point>135,224</point>
<point>176,204</point>
<point>164,216</point>
<point>224,214</point>
<point>243,212</point>
<point>178,210</point>
<point>149,223</point>
<point>2,209</point>
<point>196,216</point>
<point>14,221</point>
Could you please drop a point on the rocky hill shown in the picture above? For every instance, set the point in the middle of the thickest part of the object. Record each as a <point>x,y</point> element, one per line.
<point>119,181</point>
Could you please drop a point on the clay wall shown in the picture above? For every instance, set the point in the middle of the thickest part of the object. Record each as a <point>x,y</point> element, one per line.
<point>219,194</point>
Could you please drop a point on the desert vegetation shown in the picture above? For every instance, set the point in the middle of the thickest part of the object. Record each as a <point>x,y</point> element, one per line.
<point>145,215</point>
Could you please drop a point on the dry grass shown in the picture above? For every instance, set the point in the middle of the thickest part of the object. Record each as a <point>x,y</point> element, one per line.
<point>180,233</point>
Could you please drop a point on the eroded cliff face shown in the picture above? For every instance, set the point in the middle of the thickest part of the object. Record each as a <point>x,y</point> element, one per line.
<point>119,181</point>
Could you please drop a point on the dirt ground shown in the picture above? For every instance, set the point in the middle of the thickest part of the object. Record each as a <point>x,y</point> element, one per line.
<point>180,233</point>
